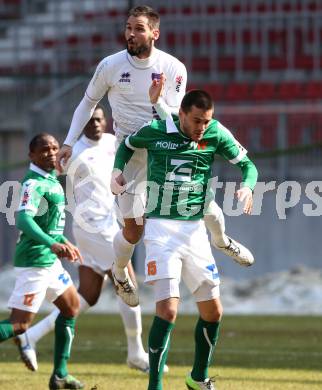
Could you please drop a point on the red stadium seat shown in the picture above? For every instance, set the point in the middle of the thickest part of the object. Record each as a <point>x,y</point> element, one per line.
<point>212,9</point>
<point>290,91</point>
<point>249,37</point>
<point>237,91</point>
<point>97,39</point>
<point>317,133</point>
<point>217,91</point>
<point>28,68</point>
<point>49,43</point>
<point>173,38</point>
<point>268,125</point>
<point>198,38</point>
<point>187,10</point>
<point>73,40</point>
<point>277,63</point>
<point>296,125</point>
<point>313,90</point>
<point>252,63</point>
<point>200,64</point>
<point>263,91</point>
<point>226,63</point>
<point>304,62</point>
<point>76,66</point>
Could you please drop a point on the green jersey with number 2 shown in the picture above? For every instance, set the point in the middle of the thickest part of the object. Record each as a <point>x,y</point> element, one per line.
<point>42,197</point>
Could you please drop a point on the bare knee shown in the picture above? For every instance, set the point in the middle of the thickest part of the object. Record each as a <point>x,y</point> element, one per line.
<point>210,310</point>
<point>132,232</point>
<point>71,308</point>
<point>167,309</point>
<point>214,316</point>
<point>70,312</point>
<point>169,315</point>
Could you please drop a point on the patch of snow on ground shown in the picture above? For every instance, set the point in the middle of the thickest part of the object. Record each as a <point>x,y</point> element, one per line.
<point>297,291</point>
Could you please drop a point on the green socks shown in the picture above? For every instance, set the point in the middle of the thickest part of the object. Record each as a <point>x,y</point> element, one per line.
<point>64,334</point>
<point>206,336</point>
<point>159,342</point>
<point>6,330</point>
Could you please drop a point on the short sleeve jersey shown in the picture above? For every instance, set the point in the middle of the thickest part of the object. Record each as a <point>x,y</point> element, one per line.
<point>179,169</point>
<point>126,80</point>
<point>43,198</point>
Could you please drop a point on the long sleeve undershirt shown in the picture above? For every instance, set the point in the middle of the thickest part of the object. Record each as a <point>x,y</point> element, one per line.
<point>27,224</point>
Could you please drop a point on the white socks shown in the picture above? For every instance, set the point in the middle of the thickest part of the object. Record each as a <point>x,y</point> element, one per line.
<point>131,317</point>
<point>123,253</point>
<point>43,327</point>
<point>132,322</point>
<point>215,223</point>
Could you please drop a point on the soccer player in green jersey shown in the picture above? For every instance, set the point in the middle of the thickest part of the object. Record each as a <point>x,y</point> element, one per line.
<point>39,272</point>
<point>180,154</point>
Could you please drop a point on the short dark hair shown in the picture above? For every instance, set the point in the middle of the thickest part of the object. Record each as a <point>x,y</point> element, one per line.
<point>36,140</point>
<point>100,107</point>
<point>199,98</point>
<point>149,12</point>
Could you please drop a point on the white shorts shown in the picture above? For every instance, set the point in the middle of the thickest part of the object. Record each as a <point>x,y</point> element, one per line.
<point>169,288</point>
<point>175,248</point>
<point>132,202</point>
<point>34,284</point>
<point>96,249</point>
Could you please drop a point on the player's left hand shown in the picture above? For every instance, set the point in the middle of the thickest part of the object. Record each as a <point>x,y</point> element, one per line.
<point>156,88</point>
<point>245,195</point>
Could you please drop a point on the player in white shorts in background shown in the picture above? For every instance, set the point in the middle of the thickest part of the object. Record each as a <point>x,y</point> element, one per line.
<point>94,227</point>
<point>181,152</point>
<point>126,77</point>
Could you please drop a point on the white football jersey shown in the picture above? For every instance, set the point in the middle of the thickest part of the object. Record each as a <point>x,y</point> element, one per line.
<point>126,80</point>
<point>89,174</point>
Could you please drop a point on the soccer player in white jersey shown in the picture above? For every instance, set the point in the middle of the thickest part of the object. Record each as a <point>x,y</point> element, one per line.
<point>125,77</point>
<point>94,227</point>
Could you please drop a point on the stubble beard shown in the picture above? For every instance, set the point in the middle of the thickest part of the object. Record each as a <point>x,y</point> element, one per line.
<point>142,49</point>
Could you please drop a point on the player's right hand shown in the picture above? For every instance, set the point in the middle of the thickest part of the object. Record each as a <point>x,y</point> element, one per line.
<point>66,250</point>
<point>63,156</point>
<point>156,88</point>
<point>118,182</point>
<point>73,252</point>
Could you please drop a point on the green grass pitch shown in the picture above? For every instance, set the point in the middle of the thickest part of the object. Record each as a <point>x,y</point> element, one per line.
<point>253,353</point>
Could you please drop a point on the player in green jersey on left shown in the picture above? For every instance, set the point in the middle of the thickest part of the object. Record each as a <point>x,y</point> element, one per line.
<point>39,272</point>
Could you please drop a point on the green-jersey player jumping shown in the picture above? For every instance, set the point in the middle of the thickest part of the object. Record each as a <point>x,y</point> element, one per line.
<point>180,155</point>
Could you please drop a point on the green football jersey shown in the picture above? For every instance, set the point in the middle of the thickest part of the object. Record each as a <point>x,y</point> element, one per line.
<point>42,197</point>
<point>179,169</point>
